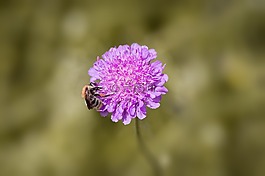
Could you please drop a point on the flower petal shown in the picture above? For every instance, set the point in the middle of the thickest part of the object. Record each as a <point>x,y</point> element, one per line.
<point>93,73</point>
<point>126,118</point>
<point>162,90</point>
<point>152,104</point>
<point>115,116</point>
<point>141,110</point>
<point>152,54</point>
<point>104,113</point>
<point>165,77</point>
<point>132,110</point>
<point>145,52</point>
<point>157,99</point>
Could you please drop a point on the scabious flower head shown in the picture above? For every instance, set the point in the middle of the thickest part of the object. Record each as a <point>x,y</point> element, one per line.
<point>130,81</point>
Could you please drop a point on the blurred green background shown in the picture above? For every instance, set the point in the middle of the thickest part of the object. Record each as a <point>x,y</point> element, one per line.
<point>211,122</point>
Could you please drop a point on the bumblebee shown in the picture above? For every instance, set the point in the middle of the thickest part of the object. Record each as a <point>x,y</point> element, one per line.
<point>90,95</point>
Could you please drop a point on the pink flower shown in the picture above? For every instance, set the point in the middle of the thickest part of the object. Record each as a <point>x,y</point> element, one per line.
<point>130,78</point>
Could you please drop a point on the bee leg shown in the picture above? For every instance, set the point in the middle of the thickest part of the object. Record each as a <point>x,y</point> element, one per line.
<point>93,84</point>
<point>100,95</point>
<point>103,95</point>
<point>94,90</point>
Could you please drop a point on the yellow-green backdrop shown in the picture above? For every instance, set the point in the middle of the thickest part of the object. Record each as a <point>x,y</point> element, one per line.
<point>211,122</point>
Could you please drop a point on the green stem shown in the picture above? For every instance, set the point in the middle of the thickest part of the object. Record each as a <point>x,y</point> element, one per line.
<point>149,157</point>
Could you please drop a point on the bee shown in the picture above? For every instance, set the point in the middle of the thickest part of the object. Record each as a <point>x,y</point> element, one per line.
<point>90,95</point>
